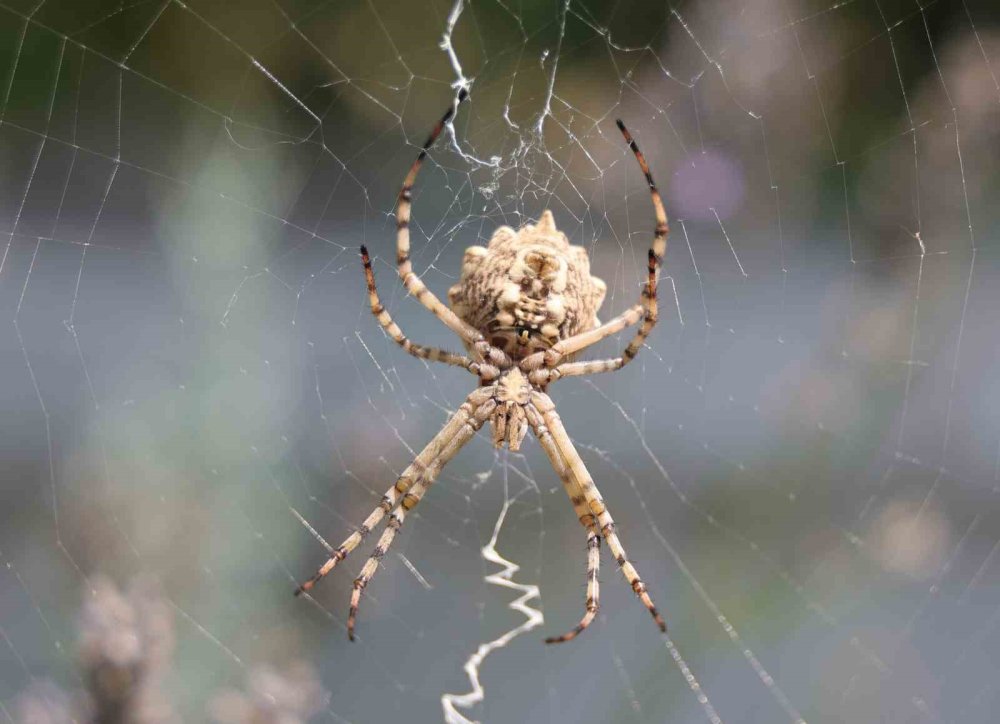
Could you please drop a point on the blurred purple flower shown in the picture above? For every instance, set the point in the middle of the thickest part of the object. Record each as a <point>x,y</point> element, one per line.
<point>711,180</point>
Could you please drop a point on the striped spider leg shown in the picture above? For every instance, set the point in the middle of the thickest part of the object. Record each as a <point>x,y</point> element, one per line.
<point>586,518</point>
<point>468,428</point>
<point>566,461</point>
<point>407,491</point>
<point>396,334</point>
<point>413,472</point>
<point>553,368</point>
<point>413,283</point>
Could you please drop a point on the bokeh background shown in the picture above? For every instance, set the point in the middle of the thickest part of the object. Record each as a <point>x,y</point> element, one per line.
<point>803,463</point>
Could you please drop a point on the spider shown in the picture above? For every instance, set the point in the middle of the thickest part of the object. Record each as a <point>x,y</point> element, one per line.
<point>524,307</point>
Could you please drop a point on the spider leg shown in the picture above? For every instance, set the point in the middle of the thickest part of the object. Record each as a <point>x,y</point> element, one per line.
<point>414,285</point>
<point>587,520</point>
<point>593,590</point>
<point>655,257</point>
<point>413,472</point>
<point>469,426</point>
<point>588,367</point>
<point>392,329</point>
<point>646,310</point>
<point>647,313</point>
<point>572,345</point>
<point>578,470</point>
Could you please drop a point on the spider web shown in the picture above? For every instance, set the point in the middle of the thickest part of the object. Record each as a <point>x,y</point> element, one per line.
<point>804,462</point>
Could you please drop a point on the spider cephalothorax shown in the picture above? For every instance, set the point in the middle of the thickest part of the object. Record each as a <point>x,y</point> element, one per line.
<point>524,306</point>
<point>528,289</point>
<point>510,421</point>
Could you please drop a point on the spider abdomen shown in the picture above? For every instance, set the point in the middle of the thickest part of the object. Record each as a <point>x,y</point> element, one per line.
<point>528,288</point>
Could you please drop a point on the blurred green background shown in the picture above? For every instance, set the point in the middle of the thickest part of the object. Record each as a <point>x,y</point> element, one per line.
<point>803,463</point>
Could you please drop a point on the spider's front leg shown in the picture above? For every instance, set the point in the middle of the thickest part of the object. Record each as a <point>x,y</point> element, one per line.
<point>563,455</point>
<point>646,312</point>
<point>411,280</point>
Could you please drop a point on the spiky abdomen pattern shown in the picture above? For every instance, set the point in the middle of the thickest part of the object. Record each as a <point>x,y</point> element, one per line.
<point>528,282</point>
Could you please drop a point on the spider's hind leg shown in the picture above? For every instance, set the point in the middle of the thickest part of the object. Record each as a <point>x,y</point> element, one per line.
<point>432,451</point>
<point>587,520</point>
<point>593,590</point>
<point>566,460</point>
<point>470,424</point>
